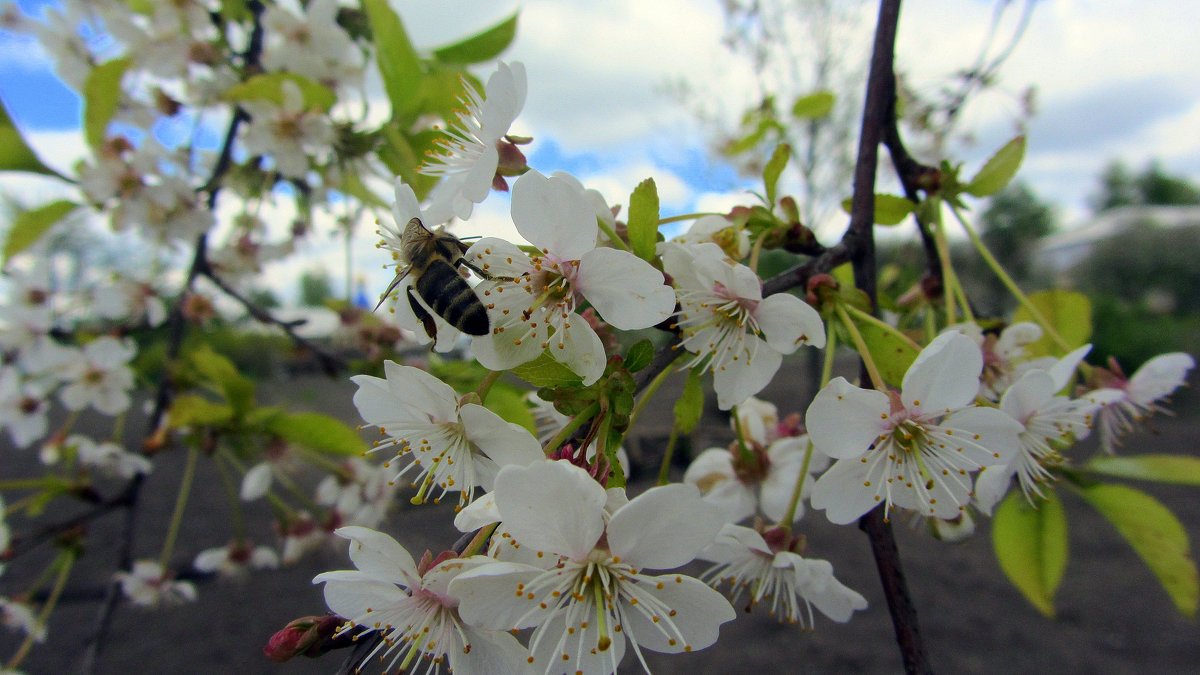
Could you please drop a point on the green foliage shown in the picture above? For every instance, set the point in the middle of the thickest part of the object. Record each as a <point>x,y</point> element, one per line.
<point>544,371</point>
<point>639,355</point>
<point>689,408</point>
<point>193,410</point>
<point>1155,534</point>
<point>999,170</point>
<point>1031,546</point>
<point>15,153</point>
<point>509,403</point>
<point>1146,266</point>
<point>315,288</point>
<point>317,432</point>
<point>29,226</point>
<point>1176,469</point>
<point>643,219</point>
<point>269,87</point>
<point>1133,334</point>
<point>1069,312</point>
<point>398,61</point>
<point>482,46</point>
<point>1152,187</point>
<point>101,94</point>
<point>892,355</point>
<point>889,209</point>
<point>813,106</point>
<point>221,376</point>
<point>772,171</point>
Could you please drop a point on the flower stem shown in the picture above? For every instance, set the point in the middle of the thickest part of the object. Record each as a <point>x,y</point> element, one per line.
<point>485,385</point>
<point>648,394</point>
<point>571,427</point>
<point>181,499</point>
<point>861,346</point>
<point>794,503</point>
<point>609,232</point>
<point>65,562</point>
<point>664,468</point>
<point>882,325</point>
<point>1008,281</point>
<point>481,537</point>
<point>235,503</point>
<point>949,279</point>
<point>755,252</point>
<point>686,216</point>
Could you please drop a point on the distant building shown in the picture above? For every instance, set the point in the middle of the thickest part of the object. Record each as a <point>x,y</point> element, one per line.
<point>1061,252</point>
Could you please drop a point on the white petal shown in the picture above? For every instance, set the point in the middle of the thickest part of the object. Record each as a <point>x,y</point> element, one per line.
<point>841,491</point>
<point>844,420</point>
<point>663,528</point>
<point>732,542</point>
<point>945,375</point>
<point>788,322</point>
<point>737,381</point>
<point>490,652</point>
<point>551,506</point>
<point>420,390</point>
<point>506,443</point>
<point>256,482</point>
<point>406,206</point>
<point>560,651</point>
<point>1028,394</point>
<point>378,554</point>
<point>826,593</point>
<point>355,598</point>
<point>552,215</point>
<point>995,431</point>
<point>1064,368</point>
<point>477,514</point>
<point>699,613</point>
<point>626,290</point>
<point>487,596</point>
<point>992,484</point>
<point>579,348</point>
<point>1159,376</point>
<point>499,259</point>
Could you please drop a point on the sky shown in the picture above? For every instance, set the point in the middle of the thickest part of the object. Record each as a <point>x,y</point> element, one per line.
<point>1114,79</point>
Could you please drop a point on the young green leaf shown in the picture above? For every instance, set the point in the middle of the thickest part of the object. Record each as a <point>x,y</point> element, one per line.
<point>892,355</point>
<point>15,153</point>
<point>269,87</point>
<point>889,209</point>
<point>1175,469</point>
<point>773,170</point>
<point>998,170</point>
<point>29,226</point>
<point>1069,312</point>
<point>101,93</point>
<point>1155,534</point>
<point>639,355</point>
<point>643,219</point>
<point>813,106</point>
<point>398,61</point>
<point>318,432</point>
<point>191,410</point>
<point>483,46</point>
<point>509,403</point>
<point>690,405</point>
<point>220,372</point>
<point>1031,546</point>
<point>546,372</point>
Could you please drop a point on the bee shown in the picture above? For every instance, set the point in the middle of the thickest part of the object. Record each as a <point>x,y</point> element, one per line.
<point>433,259</point>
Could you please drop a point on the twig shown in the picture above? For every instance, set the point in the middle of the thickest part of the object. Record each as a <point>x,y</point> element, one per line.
<point>859,237</point>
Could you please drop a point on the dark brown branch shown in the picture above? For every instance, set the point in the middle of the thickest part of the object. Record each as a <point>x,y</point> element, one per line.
<point>878,114</point>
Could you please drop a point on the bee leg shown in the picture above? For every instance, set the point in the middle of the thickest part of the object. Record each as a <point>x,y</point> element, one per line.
<point>422,315</point>
<point>473,268</point>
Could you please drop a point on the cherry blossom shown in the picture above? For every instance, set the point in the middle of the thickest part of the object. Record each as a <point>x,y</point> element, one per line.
<point>914,449</point>
<point>360,494</point>
<point>289,132</point>
<point>100,376</point>
<point>108,458</point>
<point>311,44</point>
<point>19,616</point>
<point>591,594</point>
<point>730,327</point>
<point>1126,402</point>
<point>23,408</point>
<point>413,608</point>
<point>534,301</point>
<point>454,445</point>
<point>761,479</point>
<point>773,571</point>
<point>719,230</point>
<point>236,559</point>
<point>471,154</point>
<point>148,585</point>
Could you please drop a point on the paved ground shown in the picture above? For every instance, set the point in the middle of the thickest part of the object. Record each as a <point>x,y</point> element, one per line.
<point>1113,616</point>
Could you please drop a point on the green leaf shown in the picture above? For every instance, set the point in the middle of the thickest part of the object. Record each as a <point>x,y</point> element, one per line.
<point>1031,546</point>
<point>15,153</point>
<point>1155,534</point>
<point>269,87</point>
<point>889,209</point>
<point>352,184</point>
<point>318,432</point>
<point>774,169</point>
<point>509,403</point>
<point>690,405</point>
<point>813,106</point>
<point>398,61</point>
<point>1069,312</point>
<point>482,46</point>
<point>643,219</point>
<point>191,410</point>
<point>101,93</point>
<point>546,372</point>
<point>220,371</point>
<point>402,154</point>
<point>1176,469</point>
<point>892,355</point>
<point>998,170</point>
<point>639,355</point>
<point>29,226</point>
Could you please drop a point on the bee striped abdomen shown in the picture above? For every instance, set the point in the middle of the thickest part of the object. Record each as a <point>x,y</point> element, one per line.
<point>452,298</point>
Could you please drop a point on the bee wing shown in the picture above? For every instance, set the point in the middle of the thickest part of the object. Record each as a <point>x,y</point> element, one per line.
<point>391,287</point>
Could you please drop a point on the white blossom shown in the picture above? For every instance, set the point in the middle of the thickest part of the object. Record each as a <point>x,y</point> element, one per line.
<point>99,376</point>
<point>1126,402</point>
<point>289,132</point>
<point>236,559</point>
<point>148,585</point>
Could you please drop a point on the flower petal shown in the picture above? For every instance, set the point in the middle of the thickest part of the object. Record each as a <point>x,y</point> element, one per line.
<point>664,527</point>
<point>551,506</point>
<point>945,375</point>
<point>787,322</point>
<point>487,596</point>
<point>698,612</point>
<point>626,290</point>
<point>378,554</point>
<point>738,380</point>
<point>844,492</point>
<point>844,420</point>
<point>553,215</point>
<point>579,348</point>
<point>504,442</point>
<point>1159,376</point>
